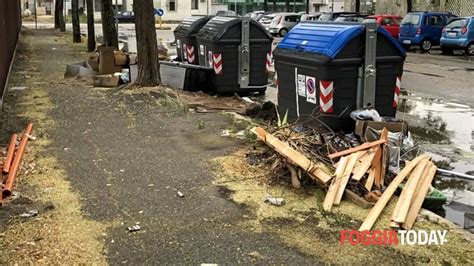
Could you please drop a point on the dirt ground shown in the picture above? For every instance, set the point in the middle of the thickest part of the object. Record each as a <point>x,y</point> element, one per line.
<point>107,159</point>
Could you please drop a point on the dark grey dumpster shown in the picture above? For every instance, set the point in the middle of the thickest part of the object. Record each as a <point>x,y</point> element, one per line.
<point>320,68</point>
<point>185,35</point>
<point>237,50</point>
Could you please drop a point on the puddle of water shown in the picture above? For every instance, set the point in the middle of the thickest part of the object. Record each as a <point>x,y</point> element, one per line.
<point>441,122</point>
<point>437,122</point>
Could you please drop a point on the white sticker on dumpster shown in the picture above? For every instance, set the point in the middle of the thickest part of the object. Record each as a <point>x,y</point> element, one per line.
<point>301,85</point>
<point>310,89</point>
<point>201,49</point>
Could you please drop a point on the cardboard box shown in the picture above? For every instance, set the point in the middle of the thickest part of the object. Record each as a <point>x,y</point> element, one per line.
<point>120,58</point>
<point>93,61</point>
<point>361,127</point>
<point>107,61</point>
<point>105,81</point>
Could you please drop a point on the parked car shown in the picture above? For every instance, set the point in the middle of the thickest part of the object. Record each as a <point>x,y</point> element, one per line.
<point>310,17</point>
<point>390,22</point>
<point>226,13</point>
<point>458,34</point>
<point>331,16</point>
<point>423,29</point>
<point>126,17</point>
<point>257,15</point>
<point>280,23</point>
<point>350,18</point>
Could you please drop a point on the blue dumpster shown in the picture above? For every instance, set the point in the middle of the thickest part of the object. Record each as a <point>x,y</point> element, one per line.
<point>319,67</point>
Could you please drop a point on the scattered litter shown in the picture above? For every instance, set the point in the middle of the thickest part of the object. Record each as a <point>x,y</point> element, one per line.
<point>275,201</point>
<point>112,241</point>
<point>247,99</point>
<point>150,185</point>
<point>17,88</point>
<point>54,48</point>
<point>227,133</point>
<point>31,137</point>
<point>180,194</point>
<point>109,185</point>
<point>140,212</point>
<point>369,114</point>
<point>134,228</point>
<point>29,214</point>
<point>121,170</point>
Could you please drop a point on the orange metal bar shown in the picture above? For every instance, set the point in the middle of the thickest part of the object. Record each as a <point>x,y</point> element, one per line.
<point>7,188</point>
<point>10,152</point>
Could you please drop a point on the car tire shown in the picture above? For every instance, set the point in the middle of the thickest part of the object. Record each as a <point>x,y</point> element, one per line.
<point>470,49</point>
<point>446,50</point>
<point>426,45</point>
<point>283,32</point>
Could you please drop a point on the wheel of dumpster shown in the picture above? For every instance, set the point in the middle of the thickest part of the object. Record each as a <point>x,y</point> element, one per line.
<point>425,45</point>
<point>446,50</point>
<point>470,49</point>
<point>283,32</point>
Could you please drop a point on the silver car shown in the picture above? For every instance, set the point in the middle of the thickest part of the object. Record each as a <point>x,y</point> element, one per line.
<point>280,23</point>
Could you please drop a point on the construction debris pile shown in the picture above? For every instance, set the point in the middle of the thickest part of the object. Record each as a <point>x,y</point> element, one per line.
<point>12,161</point>
<point>358,171</point>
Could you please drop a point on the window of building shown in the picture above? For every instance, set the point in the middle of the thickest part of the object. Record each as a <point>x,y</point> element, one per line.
<point>194,4</point>
<point>172,5</point>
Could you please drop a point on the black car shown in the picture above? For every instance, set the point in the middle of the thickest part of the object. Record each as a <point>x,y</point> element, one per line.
<point>126,17</point>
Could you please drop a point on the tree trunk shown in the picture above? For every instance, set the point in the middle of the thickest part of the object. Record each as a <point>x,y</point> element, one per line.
<point>76,28</point>
<point>147,48</point>
<point>307,6</point>
<point>409,6</point>
<point>287,5</point>
<point>357,6</point>
<point>90,26</point>
<point>62,23</point>
<point>108,24</point>
<point>56,15</point>
<point>265,5</point>
<point>274,5</point>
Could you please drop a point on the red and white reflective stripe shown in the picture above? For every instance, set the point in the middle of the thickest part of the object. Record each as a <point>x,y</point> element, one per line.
<point>209,58</point>
<point>326,95</point>
<point>396,92</point>
<point>269,62</point>
<point>217,63</point>
<point>190,51</point>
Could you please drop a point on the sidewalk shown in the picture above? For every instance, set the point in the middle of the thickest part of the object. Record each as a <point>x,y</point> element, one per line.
<point>111,160</point>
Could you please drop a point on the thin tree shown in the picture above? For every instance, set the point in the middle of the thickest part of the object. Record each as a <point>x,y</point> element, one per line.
<point>56,15</point>
<point>147,47</point>
<point>265,5</point>
<point>90,26</point>
<point>357,6</point>
<point>409,6</point>
<point>108,24</point>
<point>76,28</point>
<point>62,23</point>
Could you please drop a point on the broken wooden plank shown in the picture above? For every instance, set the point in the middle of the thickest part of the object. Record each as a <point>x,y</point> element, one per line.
<point>361,147</point>
<point>345,178</point>
<point>423,189</point>
<point>317,171</point>
<point>333,188</point>
<point>382,202</point>
<point>404,201</point>
<point>362,158</point>
<point>364,167</point>
<point>370,180</point>
<point>381,177</point>
<point>358,200</point>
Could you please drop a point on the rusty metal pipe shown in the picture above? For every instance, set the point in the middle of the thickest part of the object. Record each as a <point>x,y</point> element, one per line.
<point>10,152</point>
<point>7,188</point>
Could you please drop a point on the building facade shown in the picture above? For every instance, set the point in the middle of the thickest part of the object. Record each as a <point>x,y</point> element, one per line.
<point>399,7</point>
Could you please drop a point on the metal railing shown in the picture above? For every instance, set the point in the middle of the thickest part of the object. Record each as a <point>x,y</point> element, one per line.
<point>10,23</point>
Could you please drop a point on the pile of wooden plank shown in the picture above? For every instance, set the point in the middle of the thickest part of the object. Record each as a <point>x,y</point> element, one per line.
<point>355,163</point>
<point>364,165</point>
<point>420,172</point>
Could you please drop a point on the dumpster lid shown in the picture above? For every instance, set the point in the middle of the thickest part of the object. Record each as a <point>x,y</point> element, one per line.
<point>191,25</point>
<point>229,28</point>
<point>327,38</point>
